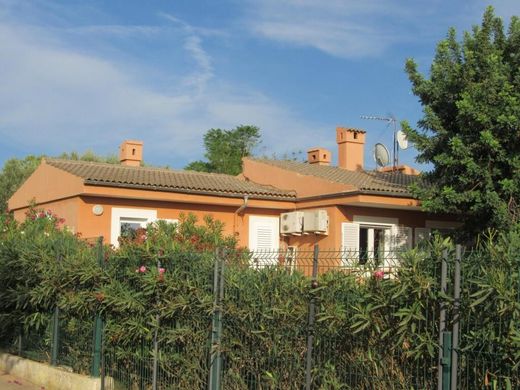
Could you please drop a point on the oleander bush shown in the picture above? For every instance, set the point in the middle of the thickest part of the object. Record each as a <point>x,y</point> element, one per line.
<point>370,331</point>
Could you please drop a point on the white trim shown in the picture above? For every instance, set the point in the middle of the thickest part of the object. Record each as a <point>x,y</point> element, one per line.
<point>368,220</point>
<point>121,213</point>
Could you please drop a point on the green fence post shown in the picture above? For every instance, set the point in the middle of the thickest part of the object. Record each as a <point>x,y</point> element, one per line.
<point>216,331</point>
<point>456,318</point>
<point>55,330</point>
<point>442,320</point>
<point>19,342</point>
<point>98,325</point>
<point>446,361</point>
<point>55,336</point>
<point>311,320</point>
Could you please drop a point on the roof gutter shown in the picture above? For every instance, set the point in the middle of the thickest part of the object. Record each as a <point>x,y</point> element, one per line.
<point>287,198</point>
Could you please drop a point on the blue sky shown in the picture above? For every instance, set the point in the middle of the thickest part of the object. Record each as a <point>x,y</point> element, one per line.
<point>82,75</point>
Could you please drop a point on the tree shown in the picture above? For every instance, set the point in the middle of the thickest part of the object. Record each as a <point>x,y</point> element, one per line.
<point>16,171</point>
<point>13,174</point>
<point>470,131</point>
<point>226,148</point>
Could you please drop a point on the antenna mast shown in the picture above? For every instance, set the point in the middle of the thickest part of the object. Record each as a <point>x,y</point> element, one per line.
<point>390,120</point>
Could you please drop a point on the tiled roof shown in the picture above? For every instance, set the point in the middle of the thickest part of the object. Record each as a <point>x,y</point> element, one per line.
<point>393,183</point>
<point>160,179</point>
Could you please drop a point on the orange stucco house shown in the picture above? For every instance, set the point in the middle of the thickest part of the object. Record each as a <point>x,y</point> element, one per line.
<point>273,204</point>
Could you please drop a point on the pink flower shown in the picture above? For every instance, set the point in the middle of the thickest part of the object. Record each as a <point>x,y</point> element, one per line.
<point>379,275</point>
<point>161,271</point>
<point>142,269</point>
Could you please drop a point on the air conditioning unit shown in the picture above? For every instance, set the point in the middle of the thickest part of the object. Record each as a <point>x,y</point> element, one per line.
<point>316,221</point>
<point>291,223</point>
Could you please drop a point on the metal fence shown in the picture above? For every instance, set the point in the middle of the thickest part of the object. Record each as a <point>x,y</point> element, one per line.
<point>297,320</point>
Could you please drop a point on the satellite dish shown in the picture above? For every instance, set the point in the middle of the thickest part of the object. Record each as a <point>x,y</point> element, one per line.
<point>402,140</point>
<point>381,155</point>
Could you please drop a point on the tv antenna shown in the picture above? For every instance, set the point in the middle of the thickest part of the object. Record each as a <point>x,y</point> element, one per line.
<point>400,141</point>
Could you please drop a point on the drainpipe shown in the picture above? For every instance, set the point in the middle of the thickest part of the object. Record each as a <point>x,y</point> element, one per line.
<point>238,211</point>
<point>244,205</point>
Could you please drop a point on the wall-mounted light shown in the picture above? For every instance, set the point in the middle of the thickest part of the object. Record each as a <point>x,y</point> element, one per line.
<point>97,209</point>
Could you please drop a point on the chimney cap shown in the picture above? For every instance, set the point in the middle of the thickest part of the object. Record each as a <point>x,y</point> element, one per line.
<point>131,153</point>
<point>351,129</point>
<point>320,156</point>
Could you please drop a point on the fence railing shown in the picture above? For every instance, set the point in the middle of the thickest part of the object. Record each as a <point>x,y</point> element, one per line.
<point>318,319</point>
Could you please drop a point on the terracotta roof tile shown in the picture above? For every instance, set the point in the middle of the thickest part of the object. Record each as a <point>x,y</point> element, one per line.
<point>368,181</point>
<point>161,179</point>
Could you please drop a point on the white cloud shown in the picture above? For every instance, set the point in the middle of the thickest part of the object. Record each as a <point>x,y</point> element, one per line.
<point>367,28</point>
<point>56,97</point>
<point>349,29</point>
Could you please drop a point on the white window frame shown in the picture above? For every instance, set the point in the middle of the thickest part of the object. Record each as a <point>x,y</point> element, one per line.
<point>392,229</point>
<point>168,220</point>
<point>145,215</point>
<point>382,222</point>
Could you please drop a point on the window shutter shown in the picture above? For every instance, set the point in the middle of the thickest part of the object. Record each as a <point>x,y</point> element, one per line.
<point>263,233</point>
<point>349,243</point>
<point>421,234</point>
<point>264,237</point>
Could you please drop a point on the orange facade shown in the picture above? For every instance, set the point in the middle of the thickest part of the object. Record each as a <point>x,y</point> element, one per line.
<point>100,208</point>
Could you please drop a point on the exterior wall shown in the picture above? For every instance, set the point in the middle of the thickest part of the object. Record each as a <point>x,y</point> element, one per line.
<point>91,225</point>
<point>46,184</point>
<point>280,178</point>
<point>407,218</point>
<point>306,242</point>
<point>66,208</point>
<point>339,214</point>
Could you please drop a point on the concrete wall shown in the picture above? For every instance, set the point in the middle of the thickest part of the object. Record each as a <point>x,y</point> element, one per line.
<point>52,378</point>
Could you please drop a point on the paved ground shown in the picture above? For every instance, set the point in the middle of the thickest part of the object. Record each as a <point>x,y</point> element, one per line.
<point>9,382</point>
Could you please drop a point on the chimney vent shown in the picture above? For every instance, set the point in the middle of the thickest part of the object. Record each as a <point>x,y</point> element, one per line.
<point>351,145</point>
<point>319,156</point>
<point>131,153</point>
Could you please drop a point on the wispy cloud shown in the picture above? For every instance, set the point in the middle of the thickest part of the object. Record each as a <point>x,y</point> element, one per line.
<point>57,97</point>
<point>350,29</point>
<point>359,29</point>
<point>193,45</point>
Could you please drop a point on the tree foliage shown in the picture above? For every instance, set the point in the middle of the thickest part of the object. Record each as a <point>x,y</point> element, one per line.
<point>470,130</point>
<point>13,174</point>
<point>226,148</point>
<point>16,171</point>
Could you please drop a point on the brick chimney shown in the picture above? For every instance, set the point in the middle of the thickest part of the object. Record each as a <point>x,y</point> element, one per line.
<point>319,156</point>
<point>351,145</point>
<point>131,153</point>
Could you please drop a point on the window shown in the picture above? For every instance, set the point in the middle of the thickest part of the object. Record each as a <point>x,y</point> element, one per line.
<point>126,221</point>
<point>374,240</point>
